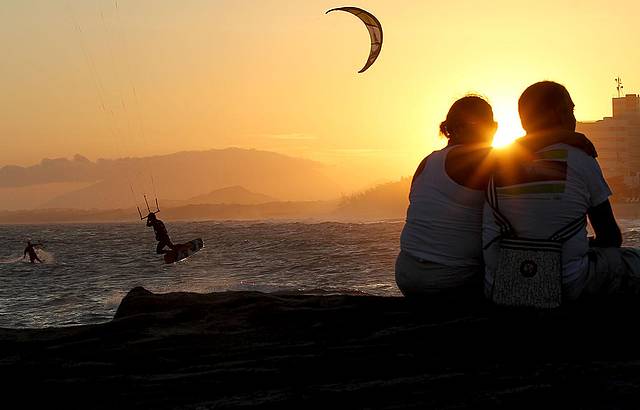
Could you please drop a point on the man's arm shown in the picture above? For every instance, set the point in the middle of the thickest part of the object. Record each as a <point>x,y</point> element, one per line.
<point>605,226</point>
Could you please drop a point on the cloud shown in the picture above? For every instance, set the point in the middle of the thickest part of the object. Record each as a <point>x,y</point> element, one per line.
<point>291,136</point>
<point>362,152</point>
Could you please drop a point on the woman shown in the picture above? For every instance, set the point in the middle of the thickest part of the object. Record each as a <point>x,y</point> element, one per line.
<point>441,243</point>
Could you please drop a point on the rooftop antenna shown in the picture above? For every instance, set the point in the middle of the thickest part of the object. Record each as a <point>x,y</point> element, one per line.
<point>619,85</point>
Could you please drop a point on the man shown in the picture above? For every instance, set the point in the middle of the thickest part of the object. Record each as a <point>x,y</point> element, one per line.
<point>30,249</point>
<point>161,233</point>
<point>547,180</point>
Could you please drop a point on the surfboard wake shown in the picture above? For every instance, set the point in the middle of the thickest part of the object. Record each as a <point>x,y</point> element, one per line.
<point>47,258</point>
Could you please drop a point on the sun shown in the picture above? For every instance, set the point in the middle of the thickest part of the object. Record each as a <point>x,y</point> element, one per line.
<point>509,127</point>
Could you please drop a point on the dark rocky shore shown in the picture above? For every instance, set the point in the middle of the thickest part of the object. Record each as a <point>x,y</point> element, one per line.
<point>255,350</point>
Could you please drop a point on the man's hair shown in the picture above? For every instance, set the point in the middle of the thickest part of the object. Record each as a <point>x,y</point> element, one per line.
<point>544,105</point>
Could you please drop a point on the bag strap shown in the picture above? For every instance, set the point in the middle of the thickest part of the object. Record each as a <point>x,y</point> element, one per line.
<point>569,230</point>
<point>506,229</point>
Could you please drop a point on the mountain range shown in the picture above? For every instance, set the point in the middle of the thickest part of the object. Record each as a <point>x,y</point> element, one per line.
<point>191,176</point>
<point>385,201</point>
<point>233,195</point>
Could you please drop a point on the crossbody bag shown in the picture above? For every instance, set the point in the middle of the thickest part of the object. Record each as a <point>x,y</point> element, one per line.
<point>529,271</point>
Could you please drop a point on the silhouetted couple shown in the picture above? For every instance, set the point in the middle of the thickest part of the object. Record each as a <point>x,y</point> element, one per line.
<point>512,222</point>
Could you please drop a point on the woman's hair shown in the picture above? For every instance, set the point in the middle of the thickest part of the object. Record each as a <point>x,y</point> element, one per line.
<point>467,120</point>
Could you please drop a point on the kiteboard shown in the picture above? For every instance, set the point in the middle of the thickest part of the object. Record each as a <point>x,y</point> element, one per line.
<point>183,251</point>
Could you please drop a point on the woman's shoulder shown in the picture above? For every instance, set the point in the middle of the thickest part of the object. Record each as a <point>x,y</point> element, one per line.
<point>468,151</point>
<point>470,166</point>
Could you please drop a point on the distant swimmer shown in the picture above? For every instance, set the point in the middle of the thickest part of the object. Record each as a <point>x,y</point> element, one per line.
<point>30,249</point>
<point>161,233</point>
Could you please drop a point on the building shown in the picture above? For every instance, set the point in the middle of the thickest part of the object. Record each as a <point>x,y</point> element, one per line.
<point>617,140</point>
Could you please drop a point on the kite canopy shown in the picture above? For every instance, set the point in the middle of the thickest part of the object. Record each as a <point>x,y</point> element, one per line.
<point>375,32</point>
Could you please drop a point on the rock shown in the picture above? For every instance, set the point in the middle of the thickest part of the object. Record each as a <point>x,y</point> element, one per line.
<point>257,350</point>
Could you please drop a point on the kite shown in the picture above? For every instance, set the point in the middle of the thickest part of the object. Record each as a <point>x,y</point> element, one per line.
<point>375,32</point>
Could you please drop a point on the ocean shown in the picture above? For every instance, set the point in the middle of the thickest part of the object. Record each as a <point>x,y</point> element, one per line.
<point>89,268</point>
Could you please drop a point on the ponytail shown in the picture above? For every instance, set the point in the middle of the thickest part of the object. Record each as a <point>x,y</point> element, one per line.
<point>443,129</point>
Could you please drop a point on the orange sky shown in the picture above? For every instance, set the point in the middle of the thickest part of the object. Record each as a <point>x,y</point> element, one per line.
<point>282,75</point>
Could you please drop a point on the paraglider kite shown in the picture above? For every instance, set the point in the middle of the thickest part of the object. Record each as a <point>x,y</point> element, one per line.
<point>375,32</point>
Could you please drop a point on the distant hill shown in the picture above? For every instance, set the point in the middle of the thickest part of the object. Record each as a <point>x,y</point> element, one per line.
<point>78,169</point>
<point>34,196</point>
<point>385,201</point>
<point>232,195</point>
<point>271,210</point>
<point>180,176</point>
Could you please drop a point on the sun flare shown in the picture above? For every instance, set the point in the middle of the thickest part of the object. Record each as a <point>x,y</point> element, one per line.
<point>509,126</point>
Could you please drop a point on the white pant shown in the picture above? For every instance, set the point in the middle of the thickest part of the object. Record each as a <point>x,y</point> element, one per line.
<point>612,271</point>
<point>416,278</point>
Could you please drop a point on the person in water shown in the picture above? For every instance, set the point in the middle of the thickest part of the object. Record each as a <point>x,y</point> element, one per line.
<point>31,251</point>
<point>162,236</point>
<point>548,179</point>
<point>441,243</point>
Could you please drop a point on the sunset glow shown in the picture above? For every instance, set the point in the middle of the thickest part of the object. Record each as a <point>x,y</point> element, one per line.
<point>509,126</point>
<point>319,203</point>
<point>280,75</point>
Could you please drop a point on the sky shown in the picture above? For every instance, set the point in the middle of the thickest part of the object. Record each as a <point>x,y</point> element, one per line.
<point>107,78</point>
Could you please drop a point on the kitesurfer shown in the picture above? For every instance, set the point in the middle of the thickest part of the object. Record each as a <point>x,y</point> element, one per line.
<point>30,249</point>
<point>161,233</point>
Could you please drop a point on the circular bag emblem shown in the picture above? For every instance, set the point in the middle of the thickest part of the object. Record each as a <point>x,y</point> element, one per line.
<point>528,269</point>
